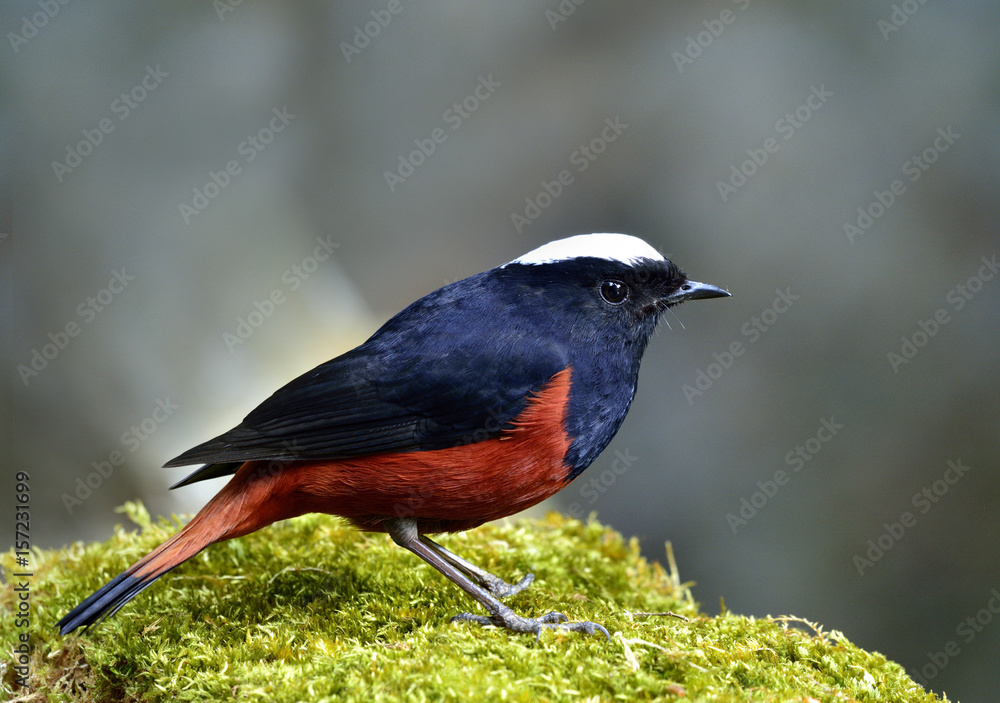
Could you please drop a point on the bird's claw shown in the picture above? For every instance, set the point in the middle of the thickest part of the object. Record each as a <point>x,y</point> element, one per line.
<point>499,588</point>
<point>508,619</point>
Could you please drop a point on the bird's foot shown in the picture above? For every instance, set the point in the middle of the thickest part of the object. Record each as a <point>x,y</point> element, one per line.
<point>499,588</point>
<point>510,620</point>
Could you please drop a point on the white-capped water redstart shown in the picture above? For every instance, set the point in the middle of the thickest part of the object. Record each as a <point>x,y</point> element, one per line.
<point>475,402</point>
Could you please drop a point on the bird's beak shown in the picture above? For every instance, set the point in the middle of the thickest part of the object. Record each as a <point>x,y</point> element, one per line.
<point>692,290</point>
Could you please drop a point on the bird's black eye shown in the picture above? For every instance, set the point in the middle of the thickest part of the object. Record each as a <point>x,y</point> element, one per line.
<point>614,292</point>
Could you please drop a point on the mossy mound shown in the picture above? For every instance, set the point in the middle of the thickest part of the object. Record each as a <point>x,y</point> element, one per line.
<point>312,610</point>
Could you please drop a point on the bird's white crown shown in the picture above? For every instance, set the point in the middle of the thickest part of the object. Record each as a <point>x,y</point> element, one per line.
<point>613,247</point>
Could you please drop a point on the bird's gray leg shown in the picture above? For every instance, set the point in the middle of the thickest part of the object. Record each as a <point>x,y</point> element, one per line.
<point>404,533</point>
<point>494,584</point>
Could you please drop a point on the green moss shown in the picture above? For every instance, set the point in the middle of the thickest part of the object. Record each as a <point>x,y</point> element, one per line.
<point>310,609</point>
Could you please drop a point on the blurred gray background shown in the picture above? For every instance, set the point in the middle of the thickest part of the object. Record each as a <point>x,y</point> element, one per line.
<point>152,299</point>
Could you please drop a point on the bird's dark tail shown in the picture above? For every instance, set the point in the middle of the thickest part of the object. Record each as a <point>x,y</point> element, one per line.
<point>128,584</point>
<point>244,505</point>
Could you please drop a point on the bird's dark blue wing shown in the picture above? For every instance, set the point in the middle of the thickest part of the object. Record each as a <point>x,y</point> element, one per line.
<point>442,373</point>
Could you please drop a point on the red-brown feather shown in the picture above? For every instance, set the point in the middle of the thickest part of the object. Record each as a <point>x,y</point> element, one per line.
<point>445,489</point>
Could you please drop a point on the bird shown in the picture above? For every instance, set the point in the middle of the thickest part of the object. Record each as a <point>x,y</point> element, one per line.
<point>475,402</point>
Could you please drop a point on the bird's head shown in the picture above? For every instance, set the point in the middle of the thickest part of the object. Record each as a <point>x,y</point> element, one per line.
<point>615,280</point>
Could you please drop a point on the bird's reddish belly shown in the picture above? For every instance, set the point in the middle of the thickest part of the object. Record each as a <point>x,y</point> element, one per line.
<point>445,489</point>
